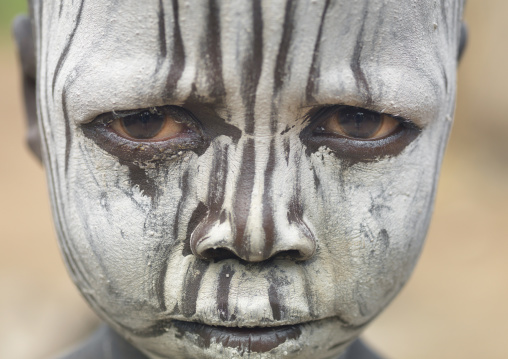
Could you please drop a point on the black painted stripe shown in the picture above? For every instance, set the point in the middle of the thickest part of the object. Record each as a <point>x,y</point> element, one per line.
<point>251,68</point>
<point>213,51</point>
<point>312,80</point>
<point>191,287</point>
<point>223,288</point>
<point>65,52</point>
<point>162,254</point>
<point>273,298</point>
<point>60,9</point>
<point>268,221</point>
<point>198,215</point>
<point>178,55</point>
<point>68,137</point>
<point>216,193</point>
<point>355,64</point>
<point>280,63</point>
<point>243,196</point>
<point>67,246</point>
<point>162,30</point>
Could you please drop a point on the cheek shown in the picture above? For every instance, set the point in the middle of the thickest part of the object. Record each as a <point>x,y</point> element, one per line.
<point>371,220</point>
<point>121,225</point>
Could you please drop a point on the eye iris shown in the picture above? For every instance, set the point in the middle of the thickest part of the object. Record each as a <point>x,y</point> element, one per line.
<point>360,124</point>
<point>143,125</point>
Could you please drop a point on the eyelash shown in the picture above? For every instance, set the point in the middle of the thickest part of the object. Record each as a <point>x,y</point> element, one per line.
<point>314,136</point>
<point>353,150</point>
<point>127,149</point>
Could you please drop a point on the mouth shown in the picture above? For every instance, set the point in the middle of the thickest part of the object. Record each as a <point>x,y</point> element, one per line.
<point>255,339</point>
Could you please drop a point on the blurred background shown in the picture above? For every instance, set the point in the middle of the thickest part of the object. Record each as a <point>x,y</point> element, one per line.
<point>454,306</point>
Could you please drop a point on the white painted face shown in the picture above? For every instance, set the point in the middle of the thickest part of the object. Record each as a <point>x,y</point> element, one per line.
<point>269,165</point>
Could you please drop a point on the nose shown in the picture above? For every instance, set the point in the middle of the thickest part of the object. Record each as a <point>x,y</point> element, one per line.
<point>253,214</point>
<point>254,231</point>
<point>216,241</point>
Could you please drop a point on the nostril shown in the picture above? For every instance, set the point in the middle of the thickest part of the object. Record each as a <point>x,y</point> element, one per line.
<point>218,254</point>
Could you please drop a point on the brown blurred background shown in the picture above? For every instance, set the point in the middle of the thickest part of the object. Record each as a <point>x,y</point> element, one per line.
<point>456,303</point>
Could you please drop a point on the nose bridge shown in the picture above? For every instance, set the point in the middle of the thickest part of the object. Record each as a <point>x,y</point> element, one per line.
<point>255,229</point>
<point>260,216</point>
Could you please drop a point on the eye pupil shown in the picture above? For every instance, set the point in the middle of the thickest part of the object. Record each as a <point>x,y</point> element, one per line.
<point>143,125</point>
<point>359,124</point>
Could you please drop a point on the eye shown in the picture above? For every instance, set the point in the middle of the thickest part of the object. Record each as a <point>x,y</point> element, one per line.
<point>359,124</point>
<point>357,135</point>
<point>147,135</point>
<point>151,125</point>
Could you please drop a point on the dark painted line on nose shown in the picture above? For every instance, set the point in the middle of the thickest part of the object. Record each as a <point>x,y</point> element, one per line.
<point>216,195</point>
<point>243,196</point>
<point>268,222</point>
<point>197,216</point>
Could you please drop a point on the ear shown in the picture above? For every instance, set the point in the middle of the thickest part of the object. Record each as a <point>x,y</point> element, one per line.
<point>22,31</point>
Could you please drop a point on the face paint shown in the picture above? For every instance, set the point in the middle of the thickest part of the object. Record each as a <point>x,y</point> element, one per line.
<point>233,178</point>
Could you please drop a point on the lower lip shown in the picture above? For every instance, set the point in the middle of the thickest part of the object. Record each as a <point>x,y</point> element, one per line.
<point>257,339</point>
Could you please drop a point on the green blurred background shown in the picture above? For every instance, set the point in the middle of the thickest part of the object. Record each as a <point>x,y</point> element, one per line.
<point>8,10</point>
<point>455,305</point>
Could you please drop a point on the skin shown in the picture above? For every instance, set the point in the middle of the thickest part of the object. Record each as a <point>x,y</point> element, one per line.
<point>252,232</point>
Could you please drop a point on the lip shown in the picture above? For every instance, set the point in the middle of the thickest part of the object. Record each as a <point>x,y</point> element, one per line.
<point>255,339</point>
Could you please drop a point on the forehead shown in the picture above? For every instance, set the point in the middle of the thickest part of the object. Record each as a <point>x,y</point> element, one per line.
<point>391,56</point>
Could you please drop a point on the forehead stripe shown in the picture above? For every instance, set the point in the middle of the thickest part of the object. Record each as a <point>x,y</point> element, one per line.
<point>211,44</point>
<point>178,54</point>
<point>312,80</point>
<point>359,75</point>
<point>65,52</point>
<point>251,71</point>
<point>281,65</point>
<point>162,31</point>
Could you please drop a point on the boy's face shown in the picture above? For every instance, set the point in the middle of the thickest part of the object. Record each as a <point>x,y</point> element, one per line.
<point>263,164</point>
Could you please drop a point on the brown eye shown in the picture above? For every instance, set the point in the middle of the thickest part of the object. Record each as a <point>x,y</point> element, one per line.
<point>148,125</point>
<point>148,135</point>
<point>359,124</point>
<point>357,135</point>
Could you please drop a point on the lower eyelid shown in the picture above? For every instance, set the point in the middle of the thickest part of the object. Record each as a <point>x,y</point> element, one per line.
<point>142,151</point>
<point>354,150</point>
